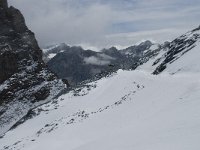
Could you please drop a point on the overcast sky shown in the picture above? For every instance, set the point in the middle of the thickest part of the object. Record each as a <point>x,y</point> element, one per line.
<point>105,23</point>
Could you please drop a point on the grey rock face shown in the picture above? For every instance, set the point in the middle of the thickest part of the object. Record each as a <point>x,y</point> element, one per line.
<point>25,81</point>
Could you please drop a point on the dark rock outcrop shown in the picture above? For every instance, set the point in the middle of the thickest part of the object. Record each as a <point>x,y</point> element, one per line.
<point>25,81</point>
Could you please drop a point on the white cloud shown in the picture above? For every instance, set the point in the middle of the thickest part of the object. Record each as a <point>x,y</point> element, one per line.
<point>104,23</point>
<point>96,61</point>
<point>100,60</point>
<point>52,22</point>
<point>132,38</point>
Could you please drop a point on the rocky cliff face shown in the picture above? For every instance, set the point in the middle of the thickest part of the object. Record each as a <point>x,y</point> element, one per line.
<point>25,81</point>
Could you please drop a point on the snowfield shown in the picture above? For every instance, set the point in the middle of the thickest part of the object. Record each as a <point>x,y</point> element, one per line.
<point>130,110</point>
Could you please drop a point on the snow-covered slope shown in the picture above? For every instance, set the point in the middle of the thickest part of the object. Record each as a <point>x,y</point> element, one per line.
<point>128,110</point>
<point>180,55</point>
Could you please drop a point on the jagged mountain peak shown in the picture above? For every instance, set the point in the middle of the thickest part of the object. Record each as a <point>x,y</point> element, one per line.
<point>146,42</point>
<point>132,50</point>
<point>111,49</point>
<point>12,17</point>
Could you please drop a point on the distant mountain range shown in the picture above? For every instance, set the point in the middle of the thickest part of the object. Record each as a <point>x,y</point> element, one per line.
<point>76,64</point>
